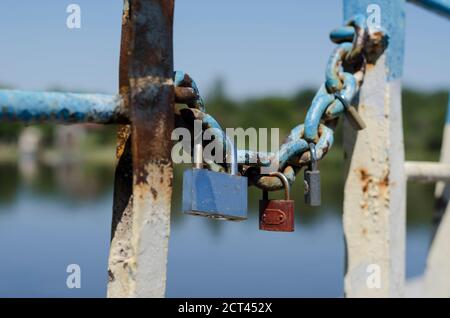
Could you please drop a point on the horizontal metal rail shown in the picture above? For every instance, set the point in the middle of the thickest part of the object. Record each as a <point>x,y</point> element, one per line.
<point>427,171</point>
<point>71,108</point>
<point>441,7</point>
<point>61,108</point>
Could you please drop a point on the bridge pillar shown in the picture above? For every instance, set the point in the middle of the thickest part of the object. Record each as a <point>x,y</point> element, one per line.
<point>375,189</point>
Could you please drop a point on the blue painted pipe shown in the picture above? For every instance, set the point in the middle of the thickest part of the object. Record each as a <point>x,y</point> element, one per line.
<point>441,7</point>
<point>342,34</point>
<point>61,108</point>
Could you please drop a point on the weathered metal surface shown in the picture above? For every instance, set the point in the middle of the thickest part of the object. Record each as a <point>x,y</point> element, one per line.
<point>294,150</point>
<point>149,64</point>
<point>441,7</point>
<point>352,114</point>
<point>215,194</point>
<point>311,178</point>
<point>151,103</point>
<point>342,83</point>
<point>185,95</point>
<point>61,108</point>
<point>72,108</point>
<point>121,254</point>
<point>183,80</point>
<point>277,215</point>
<point>427,171</point>
<point>374,195</point>
<point>342,34</point>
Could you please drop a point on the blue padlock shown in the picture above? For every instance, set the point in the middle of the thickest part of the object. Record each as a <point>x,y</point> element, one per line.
<point>212,194</point>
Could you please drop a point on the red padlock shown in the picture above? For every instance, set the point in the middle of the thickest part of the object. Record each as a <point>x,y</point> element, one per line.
<point>277,215</point>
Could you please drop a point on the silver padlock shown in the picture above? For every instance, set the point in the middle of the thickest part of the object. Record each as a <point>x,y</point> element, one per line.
<point>212,194</point>
<point>312,180</point>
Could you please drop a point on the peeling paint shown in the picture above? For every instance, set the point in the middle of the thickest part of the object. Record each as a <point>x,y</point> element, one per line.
<point>62,108</point>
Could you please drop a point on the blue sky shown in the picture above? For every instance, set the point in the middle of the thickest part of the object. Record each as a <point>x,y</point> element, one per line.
<point>257,46</point>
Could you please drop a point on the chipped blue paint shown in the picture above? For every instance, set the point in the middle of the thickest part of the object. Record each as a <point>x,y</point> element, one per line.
<point>393,22</point>
<point>342,34</point>
<point>178,78</point>
<point>333,81</point>
<point>441,7</point>
<point>325,103</point>
<point>320,103</point>
<point>63,108</point>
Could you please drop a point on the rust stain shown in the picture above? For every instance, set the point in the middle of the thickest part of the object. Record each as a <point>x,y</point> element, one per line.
<point>375,46</point>
<point>384,183</point>
<point>369,66</point>
<point>364,231</point>
<point>123,133</point>
<point>365,179</point>
<point>154,193</point>
<point>383,186</point>
<point>152,94</point>
<point>373,188</point>
<point>111,276</point>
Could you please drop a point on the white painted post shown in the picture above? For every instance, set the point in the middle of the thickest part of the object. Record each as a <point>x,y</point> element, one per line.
<point>429,172</point>
<point>375,189</point>
<point>437,272</point>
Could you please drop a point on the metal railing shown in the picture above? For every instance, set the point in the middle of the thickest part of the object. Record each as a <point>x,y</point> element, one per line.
<point>375,189</point>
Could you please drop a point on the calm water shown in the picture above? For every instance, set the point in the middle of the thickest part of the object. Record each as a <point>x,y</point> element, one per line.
<point>56,217</point>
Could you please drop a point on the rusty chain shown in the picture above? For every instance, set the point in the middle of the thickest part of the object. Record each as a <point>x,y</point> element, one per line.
<point>356,46</point>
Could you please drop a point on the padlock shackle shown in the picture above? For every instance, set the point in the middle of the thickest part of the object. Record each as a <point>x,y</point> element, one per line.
<point>231,150</point>
<point>285,181</point>
<point>198,155</point>
<point>313,153</point>
<point>351,113</point>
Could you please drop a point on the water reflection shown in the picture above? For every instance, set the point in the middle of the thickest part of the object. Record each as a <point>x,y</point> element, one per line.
<point>54,215</point>
<point>66,181</point>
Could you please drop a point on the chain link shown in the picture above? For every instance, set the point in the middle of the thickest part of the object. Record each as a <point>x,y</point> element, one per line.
<point>343,77</point>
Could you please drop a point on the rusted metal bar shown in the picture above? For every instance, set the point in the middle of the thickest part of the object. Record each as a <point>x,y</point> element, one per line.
<point>441,7</point>
<point>120,282</point>
<point>61,108</point>
<point>139,246</point>
<point>427,171</point>
<point>185,95</point>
